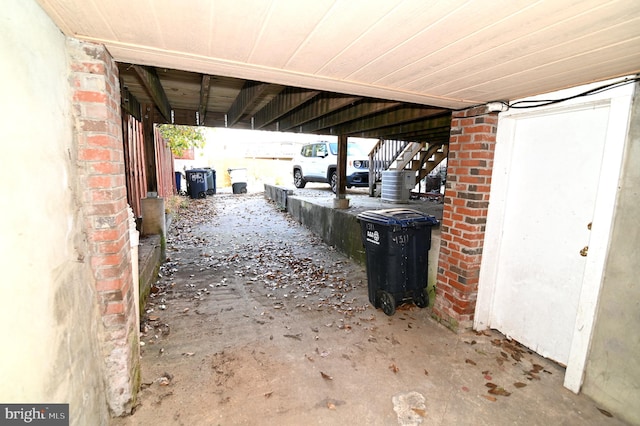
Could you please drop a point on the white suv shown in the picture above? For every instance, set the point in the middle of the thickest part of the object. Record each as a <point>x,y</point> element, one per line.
<point>317,162</point>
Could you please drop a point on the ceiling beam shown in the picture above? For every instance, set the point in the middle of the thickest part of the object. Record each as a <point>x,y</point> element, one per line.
<point>204,98</point>
<point>319,107</point>
<point>129,103</point>
<point>245,100</point>
<point>400,115</point>
<point>358,111</point>
<point>290,99</point>
<point>440,135</point>
<point>151,82</point>
<point>436,125</point>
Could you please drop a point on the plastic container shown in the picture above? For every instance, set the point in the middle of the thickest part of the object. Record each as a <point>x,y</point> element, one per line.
<point>397,243</point>
<point>238,180</point>
<point>178,176</point>
<point>211,180</point>
<point>197,183</point>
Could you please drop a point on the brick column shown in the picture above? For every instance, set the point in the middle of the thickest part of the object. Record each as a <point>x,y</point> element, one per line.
<point>469,168</point>
<point>98,133</point>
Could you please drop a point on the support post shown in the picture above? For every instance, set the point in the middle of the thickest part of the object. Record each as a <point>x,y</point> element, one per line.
<point>341,201</point>
<point>149,149</point>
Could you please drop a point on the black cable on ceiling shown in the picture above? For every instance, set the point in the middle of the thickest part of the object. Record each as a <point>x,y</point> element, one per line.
<point>545,102</point>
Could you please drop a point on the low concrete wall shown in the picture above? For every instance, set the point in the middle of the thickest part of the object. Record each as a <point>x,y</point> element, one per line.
<point>278,194</point>
<point>149,261</point>
<point>336,227</point>
<point>341,229</point>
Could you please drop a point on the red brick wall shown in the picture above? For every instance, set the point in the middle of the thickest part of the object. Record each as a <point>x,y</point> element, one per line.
<point>188,154</point>
<point>98,131</point>
<point>469,168</point>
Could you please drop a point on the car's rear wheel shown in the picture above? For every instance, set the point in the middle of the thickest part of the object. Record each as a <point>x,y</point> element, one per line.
<point>333,181</point>
<point>298,180</point>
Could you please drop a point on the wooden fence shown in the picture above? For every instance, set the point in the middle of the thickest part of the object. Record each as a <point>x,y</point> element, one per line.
<point>135,165</point>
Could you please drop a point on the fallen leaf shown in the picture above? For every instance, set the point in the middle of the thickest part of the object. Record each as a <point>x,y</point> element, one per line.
<point>499,391</point>
<point>420,412</point>
<point>326,376</point>
<point>268,394</point>
<point>487,377</point>
<point>393,367</point>
<point>426,373</point>
<point>153,318</point>
<point>470,361</point>
<point>294,336</point>
<point>605,412</point>
<point>490,398</point>
<point>519,385</point>
<point>533,376</point>
<point>331,406</point>
<point>491,385</point>
<point>466,389</point>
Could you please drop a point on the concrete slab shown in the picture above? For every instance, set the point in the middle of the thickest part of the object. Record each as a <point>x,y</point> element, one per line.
<point>258,322</point>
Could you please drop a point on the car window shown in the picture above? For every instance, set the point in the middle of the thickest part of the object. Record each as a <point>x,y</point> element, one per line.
<point>307,151</point>
<point>353,150</point>
<point>321,150</point>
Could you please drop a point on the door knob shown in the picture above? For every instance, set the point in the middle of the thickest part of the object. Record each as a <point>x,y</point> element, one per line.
<point>584,251</point>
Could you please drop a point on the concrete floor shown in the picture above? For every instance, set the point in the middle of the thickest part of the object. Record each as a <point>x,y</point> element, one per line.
<point>248,327</point>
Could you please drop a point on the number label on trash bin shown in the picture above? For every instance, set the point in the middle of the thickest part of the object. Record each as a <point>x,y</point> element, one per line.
<point>373,236</point>
<point>401,239</point>
<point>197,177</point>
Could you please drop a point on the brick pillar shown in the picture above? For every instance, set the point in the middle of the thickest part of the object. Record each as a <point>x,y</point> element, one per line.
<point>469,167</point>
<point>98,132</point>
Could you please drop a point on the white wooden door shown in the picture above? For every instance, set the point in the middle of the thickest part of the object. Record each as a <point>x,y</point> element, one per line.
<point>550,199</point>
<point>555,171</point>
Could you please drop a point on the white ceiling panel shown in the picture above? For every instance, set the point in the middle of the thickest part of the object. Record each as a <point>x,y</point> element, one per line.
<point>449,53</point>
<point>287,27</point>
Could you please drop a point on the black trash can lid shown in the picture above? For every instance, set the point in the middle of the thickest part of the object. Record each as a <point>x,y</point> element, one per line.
<point>398,217</point>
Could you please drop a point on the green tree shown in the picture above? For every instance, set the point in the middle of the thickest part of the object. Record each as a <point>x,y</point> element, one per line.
<point>181,138</point>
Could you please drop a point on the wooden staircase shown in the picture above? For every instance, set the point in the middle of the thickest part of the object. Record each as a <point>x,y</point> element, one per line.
<point>419,157</point>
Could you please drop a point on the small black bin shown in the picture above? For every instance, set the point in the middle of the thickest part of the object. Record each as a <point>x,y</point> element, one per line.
<point>211,180</point>
<point>197,183</point>
<point>397,243</point>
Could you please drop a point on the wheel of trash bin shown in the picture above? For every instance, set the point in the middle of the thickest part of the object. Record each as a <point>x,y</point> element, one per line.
<point>421,299</point>
<point>202,194</point>
<point>387,303</point>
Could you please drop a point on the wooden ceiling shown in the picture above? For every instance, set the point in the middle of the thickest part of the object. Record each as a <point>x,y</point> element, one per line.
<point>197,99</point>
<point>354,66</point>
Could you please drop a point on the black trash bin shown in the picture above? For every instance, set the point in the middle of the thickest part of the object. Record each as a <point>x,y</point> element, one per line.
<point>197,183</point>
<point>211,180</point>
<point>178,177</point>
<point>397,243</point>
<point>238,180</point>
